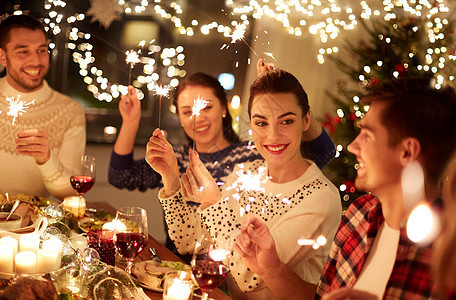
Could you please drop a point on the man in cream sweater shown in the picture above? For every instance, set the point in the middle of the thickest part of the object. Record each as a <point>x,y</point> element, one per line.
<point>38,148</point>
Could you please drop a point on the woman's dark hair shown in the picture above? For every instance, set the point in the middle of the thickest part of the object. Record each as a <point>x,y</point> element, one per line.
<point>276,82</point>
<point>17,21</point>
<point>205,80</point>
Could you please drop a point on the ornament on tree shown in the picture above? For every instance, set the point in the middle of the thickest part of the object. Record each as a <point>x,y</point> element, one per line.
<point>401,69</point>
<point>104,12</point>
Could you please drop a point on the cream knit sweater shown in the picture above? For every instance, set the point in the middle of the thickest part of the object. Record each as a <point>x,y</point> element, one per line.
<point>306,207</point>
<point>64,121</point>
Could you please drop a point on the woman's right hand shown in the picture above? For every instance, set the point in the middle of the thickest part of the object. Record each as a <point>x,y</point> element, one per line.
<point>160,156</point>
<point>130,107</point>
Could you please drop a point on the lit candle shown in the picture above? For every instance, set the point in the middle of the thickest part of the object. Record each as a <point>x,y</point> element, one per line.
<point>29,242</point>
<point>79,242</point>
<point>115,225</point>
<point>6,259</point>
<point>52,248</point>
<point>25,262</point>
<point>46,261</point>
<point>11,242</point>
<point>75,205</point>
<point>179,289</point>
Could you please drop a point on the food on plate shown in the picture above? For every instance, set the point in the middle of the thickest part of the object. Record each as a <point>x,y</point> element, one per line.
<point>28,209</point>
<point>95,221</point>
<point>29,287</point>
<point>151,273</point>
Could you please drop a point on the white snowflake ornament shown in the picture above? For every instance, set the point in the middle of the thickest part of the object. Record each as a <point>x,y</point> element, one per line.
<point>105,11</point>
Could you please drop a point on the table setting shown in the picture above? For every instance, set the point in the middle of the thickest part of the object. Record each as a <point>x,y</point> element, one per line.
<point>91,250</point>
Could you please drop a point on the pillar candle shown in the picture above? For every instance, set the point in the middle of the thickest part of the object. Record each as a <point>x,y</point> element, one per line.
<point>25,262</point>
<point>29,242</point>
<point>52,248</point>
<point>46,261</point>
<point>9,241</point>
<point>6,259</point>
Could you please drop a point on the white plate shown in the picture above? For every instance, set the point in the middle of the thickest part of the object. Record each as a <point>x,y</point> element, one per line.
<point>154,288</point>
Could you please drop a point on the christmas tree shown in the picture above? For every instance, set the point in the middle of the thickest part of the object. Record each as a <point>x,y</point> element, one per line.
<point>408,40</point>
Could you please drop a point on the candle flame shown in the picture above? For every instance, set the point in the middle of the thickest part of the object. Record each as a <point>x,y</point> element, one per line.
<point>17,108</point>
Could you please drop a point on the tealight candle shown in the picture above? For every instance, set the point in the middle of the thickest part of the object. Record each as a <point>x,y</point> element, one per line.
<point>11,242</point>
<point>75,205</point>
<point>115,225</point>
<point>79,242</point>
<point>29,242</point>
<point>25,262</point>
<point>6,259</point>
<point>177,288</point>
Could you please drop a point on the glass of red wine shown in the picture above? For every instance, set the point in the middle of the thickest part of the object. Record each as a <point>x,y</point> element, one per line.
<point>209,264</point>
<point>83,177</point>
<point>131,240</point>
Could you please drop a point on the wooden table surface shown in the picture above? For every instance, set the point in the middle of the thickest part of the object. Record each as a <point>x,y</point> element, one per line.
<point>163,252</point>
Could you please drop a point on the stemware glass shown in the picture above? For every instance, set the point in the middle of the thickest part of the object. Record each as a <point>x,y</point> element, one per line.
<point>83,177</point>
<point>131,239</point>
<point>209,264</point>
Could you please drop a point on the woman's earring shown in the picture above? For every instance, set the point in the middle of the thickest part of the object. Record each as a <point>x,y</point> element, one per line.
<point>223,116</point>
<point>182,125</point>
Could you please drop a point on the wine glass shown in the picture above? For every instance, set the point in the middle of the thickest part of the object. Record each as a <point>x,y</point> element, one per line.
<point>130,236</point>
<point>209,264</point>
<point>83,177</point>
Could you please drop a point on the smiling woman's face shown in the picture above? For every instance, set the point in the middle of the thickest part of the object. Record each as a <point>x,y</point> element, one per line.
<point>277,124</point>
<point>208,128</point>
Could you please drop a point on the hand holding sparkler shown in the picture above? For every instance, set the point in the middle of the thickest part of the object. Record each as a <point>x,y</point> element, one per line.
<point>160,156</point>
<point>263,67</point>
<point>34,143</point>
<point>256,246</point>
<point>197,183</point>
<point>130,108</point>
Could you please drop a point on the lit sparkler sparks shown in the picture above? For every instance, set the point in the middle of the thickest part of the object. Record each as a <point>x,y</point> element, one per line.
<point>238,33</point>
<point>249,181</point>
<point>17,108</point>
<point>161,91</point>
<point>198,105</point>
<point>271,55</point>
<point>132,59</point>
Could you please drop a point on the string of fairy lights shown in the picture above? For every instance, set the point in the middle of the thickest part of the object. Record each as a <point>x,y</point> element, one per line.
<point>325,19</point>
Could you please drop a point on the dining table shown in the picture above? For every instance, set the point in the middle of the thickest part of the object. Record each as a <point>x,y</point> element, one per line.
<point>162,252</point>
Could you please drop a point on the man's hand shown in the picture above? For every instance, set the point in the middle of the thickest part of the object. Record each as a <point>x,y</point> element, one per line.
<point>34,143</point>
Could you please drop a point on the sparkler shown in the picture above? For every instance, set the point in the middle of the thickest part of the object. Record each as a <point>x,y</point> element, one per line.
<point>315,243</point>
<point>132,59</point>
<point>198,105</point>
<point>238,35</point>
<point>161,91</point>
<point>17,108</point>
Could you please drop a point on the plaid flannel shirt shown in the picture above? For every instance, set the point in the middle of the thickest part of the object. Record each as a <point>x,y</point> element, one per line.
<point>410,278</point>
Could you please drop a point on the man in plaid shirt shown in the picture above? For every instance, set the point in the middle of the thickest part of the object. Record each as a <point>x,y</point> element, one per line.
<point>409,120</point>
